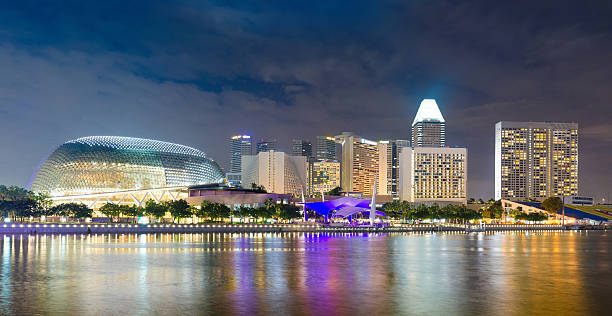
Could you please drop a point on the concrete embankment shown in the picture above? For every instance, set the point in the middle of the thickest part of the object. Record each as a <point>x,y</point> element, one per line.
<point>16,228</point>
<point>50,228</point>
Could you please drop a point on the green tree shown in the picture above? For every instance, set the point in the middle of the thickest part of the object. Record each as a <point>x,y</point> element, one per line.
<point>132,211</point>
<point>179,209</point>
<point>219,211</point>
<point>267,212</point>
<point>394,209</point>
<point>205,210</point>
<point>515,213</point>
<point>408,214</point>
<point>552,204</point>
<point>110,210</point>
<point>258,188</point>
<point>263,212</point>
<point>72,210</point>
<point>253,212</point>
<point>337,191</point>
<point>450,212</point>
<point>16,202</point>
<point>271,209</point>
<point>243,212</point>
<point>493,210</point>
<point>289,212</point>
<point>421,212</point>
<point>434,212</point>
<point>269,203</point>
<point>13,193</point>
<point>537,217</point>
<point>532,217</point>
<point>79,210</point>
<point>155,209</point>
<point>43,200</point>
<point>24,208</point>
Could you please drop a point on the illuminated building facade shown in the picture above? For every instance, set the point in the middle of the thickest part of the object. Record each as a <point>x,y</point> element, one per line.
<point>428,127</point>
<point>362,161</point>
<point>301,147</point>
<point>276,171</point>
<point>392,149</point>
<point>535,160</point>
<point>326,148</point>
<point>240,145</point>
<point>266,145</point>
<point>433,174</point>
<point>324,176</point>
<point>95,168</point>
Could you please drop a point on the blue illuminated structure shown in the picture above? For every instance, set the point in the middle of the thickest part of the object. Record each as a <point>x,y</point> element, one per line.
<point>569,212</point>
<point>342,207</point>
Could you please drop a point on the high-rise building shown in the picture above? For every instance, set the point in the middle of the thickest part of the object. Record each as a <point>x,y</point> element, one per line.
<point>266,145</point>
<point>300,147</point>
<point>393,148</point>
<point>324,176</point>
<point>361,163</point>
<point>433,174</point>
<point>326,148</point>
<point>276,171</point>
<point>428,127</point>
<point>240,145</point>
<point>535,160</point>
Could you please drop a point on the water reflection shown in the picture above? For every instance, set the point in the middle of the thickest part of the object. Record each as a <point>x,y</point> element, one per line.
<point>306,274</point>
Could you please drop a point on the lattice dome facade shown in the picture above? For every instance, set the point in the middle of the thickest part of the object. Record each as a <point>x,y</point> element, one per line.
<point>99,164</point>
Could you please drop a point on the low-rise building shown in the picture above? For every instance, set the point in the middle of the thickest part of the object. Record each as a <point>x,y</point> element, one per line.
<point>234,198</point>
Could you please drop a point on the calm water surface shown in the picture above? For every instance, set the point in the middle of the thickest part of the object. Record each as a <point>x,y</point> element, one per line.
<point>307,274</point>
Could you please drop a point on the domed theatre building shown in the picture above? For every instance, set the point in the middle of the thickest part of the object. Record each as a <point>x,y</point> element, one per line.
<point>98,169</point>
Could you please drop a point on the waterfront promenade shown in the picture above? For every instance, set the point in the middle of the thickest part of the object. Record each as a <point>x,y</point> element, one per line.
<point>55,228</point>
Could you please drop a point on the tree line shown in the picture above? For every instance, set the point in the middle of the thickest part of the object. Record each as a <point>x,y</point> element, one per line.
<point>20,204</point>
<point>180,209</point>
<point>407,211</point>
<point>457,213</point>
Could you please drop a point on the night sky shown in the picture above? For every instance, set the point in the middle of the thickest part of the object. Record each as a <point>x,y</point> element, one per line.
<point>196,73</point>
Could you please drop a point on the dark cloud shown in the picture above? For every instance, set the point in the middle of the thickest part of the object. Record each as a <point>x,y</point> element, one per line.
<point>197,72</point>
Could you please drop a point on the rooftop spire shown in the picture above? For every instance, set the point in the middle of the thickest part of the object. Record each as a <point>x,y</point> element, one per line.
<point>428,111</point>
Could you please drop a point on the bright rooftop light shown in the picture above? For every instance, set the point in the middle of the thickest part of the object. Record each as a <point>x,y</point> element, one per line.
<point>428,112</point>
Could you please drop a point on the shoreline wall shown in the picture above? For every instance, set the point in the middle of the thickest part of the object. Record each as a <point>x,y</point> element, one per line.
<point>36,228</point>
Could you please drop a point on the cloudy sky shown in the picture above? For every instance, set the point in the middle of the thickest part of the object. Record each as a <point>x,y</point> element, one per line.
<point>197,72</point>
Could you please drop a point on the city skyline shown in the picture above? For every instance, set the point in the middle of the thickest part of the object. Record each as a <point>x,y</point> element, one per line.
<point>299,82</point>
<point>390,157</point>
